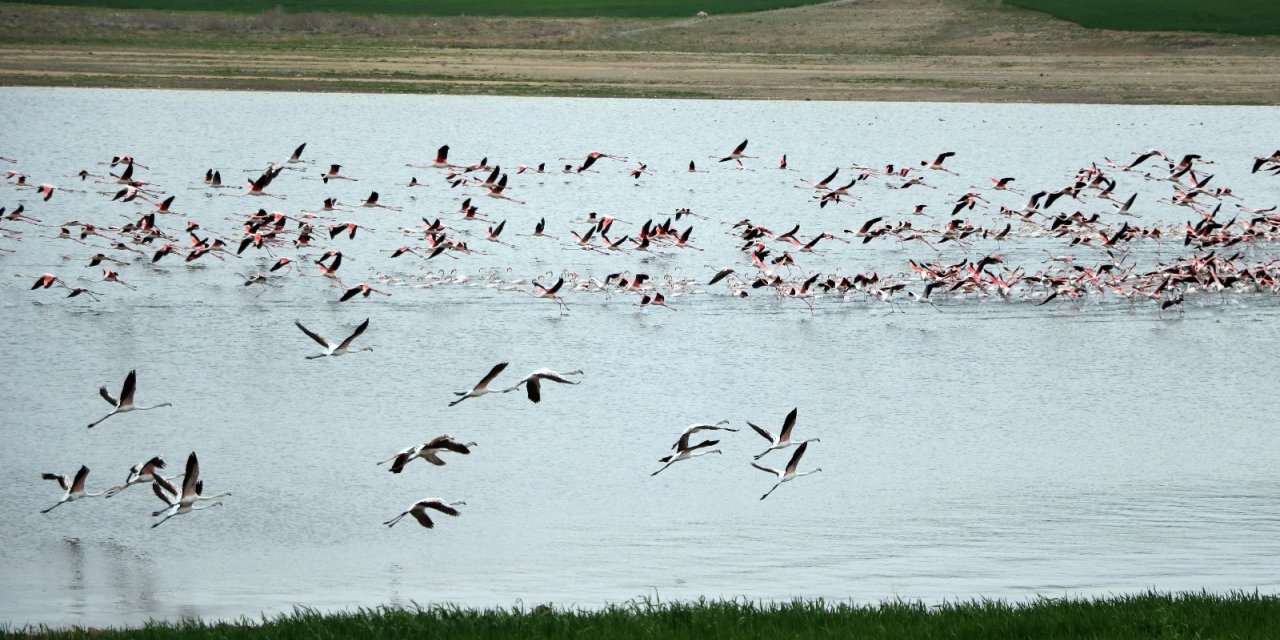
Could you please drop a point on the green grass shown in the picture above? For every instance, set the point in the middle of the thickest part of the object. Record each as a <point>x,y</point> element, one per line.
<point>1244,17</point>
<point>1151,615</point>
<point>521,8</point>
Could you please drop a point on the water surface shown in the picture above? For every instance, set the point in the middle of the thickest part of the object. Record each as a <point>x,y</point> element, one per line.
<point>981,449</point>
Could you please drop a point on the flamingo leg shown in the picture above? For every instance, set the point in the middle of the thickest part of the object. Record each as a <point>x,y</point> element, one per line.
<point>99,421</point>
<point>766,494</point>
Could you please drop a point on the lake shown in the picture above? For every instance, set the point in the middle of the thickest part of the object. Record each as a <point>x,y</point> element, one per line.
<point>977,447</point>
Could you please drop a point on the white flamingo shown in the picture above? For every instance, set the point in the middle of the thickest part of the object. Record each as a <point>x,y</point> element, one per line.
<point>419,511</point>
<point>790,472</point>
<point>330,348</point>
<point>533,382</point>
<point>684,452</point>
<point>783,439</point>
<point>481,387</point>
<point>428,451</point>
<point>702,426</point>
<point>192,487</point>
<point>125,403</point>
<point>74,489</point>
<point>141,473</point>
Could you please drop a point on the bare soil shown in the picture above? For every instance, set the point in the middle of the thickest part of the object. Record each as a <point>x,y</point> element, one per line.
<point>917,50</point>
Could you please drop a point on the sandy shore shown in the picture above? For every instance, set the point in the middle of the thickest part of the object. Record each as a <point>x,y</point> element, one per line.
<point>918,50</point>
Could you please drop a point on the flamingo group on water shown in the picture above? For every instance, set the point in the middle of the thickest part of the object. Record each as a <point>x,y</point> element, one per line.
<point>1103,248</point>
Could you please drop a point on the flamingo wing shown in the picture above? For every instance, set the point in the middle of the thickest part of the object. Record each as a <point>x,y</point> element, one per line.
<point>126,392</point>
<point>493,373</point>
<point>315,336</point>
<point>419,513</point>
<point>192,478</point>
<point>766,469</point>
<point>62,480</point>
<point>764,433</point>
<point>81,476</point>
<point>787,425</point>
<point>164,490</point>
<point>795,458</point>
<point>356,334</point>
<point>441,507</point>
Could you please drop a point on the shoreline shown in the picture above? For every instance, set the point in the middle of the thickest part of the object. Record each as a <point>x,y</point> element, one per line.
<point>1238,81</point>
<point>1146,614</point>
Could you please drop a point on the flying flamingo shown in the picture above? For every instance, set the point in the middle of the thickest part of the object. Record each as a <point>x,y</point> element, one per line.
<point>333,174</point>
<point>702,426</point>
<point>542,291</point>
<point>361,289</point>
<point>533,382</point>
<point>428,451</point>
<point>419,511</point>
<point>192,488</point>
<point>74,490</point>
<point>481,387</point>
<point>140,473</point>
<point>258,187</point>
<point>657,300</point>
<point>47,280</point>
<point>124,404</point>
<point>296,158</point>
<point>372,202</point>
<point>783,439</point>
<point>737,154</point>
<point>937,162</point>
<point>684,451</point>
<point>790,472</point>
<point>330,348</point>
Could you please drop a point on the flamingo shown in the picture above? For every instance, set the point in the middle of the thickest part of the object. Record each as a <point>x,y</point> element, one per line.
<point>542,291</point>
<point>74,489</point>
<point>419,511</point>
<point>533,382</point>
<point>141,473</point>
<point>331,349</point>
<point>702,426</point>
<point>737,153</point>
<point>47,280</point>
<point>192,488</point>
<point>372,202</point>
<point>258,187</point>
<point>362,289</point>
<point>297,155</point>
<point>125,403</point>
<point>333,174</point>
<point>790,472</point>
<point>428,451</point>
<point>937,162</point>
<point>783,439</point>
<point>481,387</point>
<point>684,452</point>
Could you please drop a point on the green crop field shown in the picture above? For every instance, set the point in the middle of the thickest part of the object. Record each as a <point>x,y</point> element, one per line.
<point>1152,615</point>
<point>520,8</point>
<point>1245,17</point>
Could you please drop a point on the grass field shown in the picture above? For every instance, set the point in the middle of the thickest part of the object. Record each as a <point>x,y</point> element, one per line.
<point>515,8</point>
<point>1239,615</point>
<point>1245,17</point>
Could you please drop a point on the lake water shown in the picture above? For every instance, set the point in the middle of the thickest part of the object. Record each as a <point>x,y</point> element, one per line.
<point>983,448</point>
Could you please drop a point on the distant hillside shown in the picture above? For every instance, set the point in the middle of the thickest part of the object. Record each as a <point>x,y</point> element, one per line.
<point>1244,17</point>
<point>514,8</point>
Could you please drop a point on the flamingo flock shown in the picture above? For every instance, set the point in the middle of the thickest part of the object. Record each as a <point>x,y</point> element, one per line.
<point>1094,248</point>
<point>1100,241</point>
